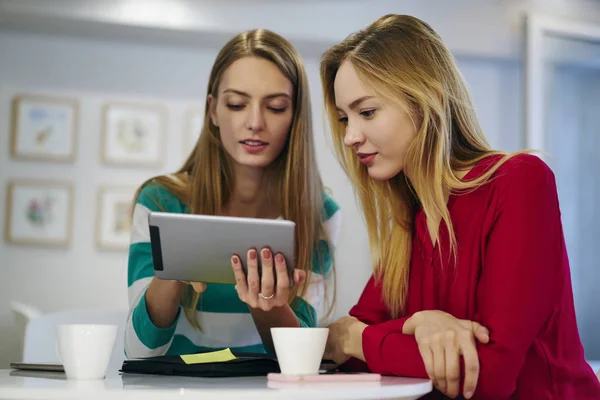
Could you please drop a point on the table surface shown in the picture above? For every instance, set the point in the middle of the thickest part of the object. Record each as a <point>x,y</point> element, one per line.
<point>16,384</point>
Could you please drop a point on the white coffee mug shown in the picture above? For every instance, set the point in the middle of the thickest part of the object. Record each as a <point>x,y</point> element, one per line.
<point>299,350</point>
<point>85,350</point>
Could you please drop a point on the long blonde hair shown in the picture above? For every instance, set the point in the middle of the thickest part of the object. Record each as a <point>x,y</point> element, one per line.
<point>403,59</point>
<point>205,181</point>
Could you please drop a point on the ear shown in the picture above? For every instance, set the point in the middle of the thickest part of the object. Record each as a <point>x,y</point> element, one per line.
<point>212,109</point>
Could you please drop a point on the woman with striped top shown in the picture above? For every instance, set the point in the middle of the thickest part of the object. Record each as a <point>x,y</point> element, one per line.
<point>255,158</point>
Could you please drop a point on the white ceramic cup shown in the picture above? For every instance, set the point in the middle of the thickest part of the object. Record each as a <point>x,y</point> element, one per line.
<point>299,350</point>
<point>85,350</point>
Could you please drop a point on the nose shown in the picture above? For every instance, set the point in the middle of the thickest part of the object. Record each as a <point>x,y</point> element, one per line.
<point>255,120</point>
<point>353,136</point>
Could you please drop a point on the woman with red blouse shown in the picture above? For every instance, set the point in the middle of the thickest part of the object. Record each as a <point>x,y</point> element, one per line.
<point>472,285</point>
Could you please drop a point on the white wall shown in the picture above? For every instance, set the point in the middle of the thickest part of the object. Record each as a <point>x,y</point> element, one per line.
<point>81,276</point>
<point>495,87</point>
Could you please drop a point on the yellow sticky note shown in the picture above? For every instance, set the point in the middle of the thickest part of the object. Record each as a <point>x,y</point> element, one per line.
<point>211,357</point>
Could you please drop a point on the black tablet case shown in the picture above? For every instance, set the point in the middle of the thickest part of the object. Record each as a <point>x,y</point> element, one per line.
<point>246,364</point>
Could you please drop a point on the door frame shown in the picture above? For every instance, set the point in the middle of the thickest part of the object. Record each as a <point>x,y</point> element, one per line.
<point>538,26</point>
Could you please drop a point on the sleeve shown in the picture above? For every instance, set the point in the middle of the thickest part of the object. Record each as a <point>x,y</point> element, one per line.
<point>314,306</point>
<point>142,337</point>
<point>382,340</point>
<point>524,265</point>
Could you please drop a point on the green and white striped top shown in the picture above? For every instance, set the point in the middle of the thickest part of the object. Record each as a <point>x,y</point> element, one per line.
<point>225,320</point>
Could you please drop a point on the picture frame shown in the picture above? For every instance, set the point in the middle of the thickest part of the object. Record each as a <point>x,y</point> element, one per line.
<point>114,217</point>
<point>44,128</point>
<point>133,134</point>
<point>194,122</point>
<point>39,213</point>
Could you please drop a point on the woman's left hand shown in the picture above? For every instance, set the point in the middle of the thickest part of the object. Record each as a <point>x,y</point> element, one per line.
<point>264,292</point>
<point>345,340</point>
<point>443,339</point>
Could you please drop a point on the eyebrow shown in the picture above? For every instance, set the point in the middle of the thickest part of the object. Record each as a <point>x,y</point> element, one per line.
<point>270,96</point>
<point>356,102</point>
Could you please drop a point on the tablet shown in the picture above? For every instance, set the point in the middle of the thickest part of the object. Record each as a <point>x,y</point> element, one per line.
<point>198,248</point>
<point>45,367</point>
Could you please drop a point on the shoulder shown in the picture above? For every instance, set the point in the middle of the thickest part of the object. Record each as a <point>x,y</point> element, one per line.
<point>526,173</point>
<point>520,180</point>
<point>155,196</point>
<point>527,165</point>
<point>331,217</point>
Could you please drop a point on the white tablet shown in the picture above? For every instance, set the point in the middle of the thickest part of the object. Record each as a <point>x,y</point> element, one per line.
<point>198,248</point>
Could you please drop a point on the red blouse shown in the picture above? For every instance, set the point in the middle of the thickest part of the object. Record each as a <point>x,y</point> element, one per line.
<point>512,276</point>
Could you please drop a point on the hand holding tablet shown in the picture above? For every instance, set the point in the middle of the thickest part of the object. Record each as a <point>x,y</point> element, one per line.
<point>267,289</point>
<point>257,255</point>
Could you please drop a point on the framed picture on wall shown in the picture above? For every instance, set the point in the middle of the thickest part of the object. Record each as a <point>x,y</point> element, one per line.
<point>44,128</point>
<point>39,213</point>
<point>193,127</point>
<point>113,222</point>
<point>133,134</point>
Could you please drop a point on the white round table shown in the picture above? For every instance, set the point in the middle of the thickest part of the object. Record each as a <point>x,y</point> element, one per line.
<point>47,385</point>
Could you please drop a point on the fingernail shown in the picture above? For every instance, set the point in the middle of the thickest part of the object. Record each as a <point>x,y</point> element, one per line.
<point>468,395</point>
<point>253,254</point>
<point>279,258</point>
<point>235,260</point>
<point>266,254</point>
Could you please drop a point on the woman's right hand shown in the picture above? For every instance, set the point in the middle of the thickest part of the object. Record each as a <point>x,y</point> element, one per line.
<point>442,339</point>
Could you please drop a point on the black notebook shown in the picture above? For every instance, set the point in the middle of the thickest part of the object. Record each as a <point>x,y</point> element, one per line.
<point>245,364</point>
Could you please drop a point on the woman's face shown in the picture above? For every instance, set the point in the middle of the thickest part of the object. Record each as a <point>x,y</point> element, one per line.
<point>377,129</point>
<point>253,110</point>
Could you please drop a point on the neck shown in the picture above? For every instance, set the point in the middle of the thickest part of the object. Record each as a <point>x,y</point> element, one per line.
<point>249,197</point>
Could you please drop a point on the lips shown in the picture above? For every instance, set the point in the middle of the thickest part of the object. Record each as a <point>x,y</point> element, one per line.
<point>254,146</point>
<point>366,158</point>
<point>254,142</point>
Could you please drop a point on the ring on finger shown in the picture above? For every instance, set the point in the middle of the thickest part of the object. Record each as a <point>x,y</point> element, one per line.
<point>262,296</point>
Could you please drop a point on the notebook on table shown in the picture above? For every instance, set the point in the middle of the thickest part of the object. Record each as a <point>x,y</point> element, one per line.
<point>214,364</point>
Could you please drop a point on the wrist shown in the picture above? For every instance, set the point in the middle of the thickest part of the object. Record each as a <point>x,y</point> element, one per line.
<point>272,311</point>
<point>412,322</point>
<point>282,316</point>
<point>354,345</point>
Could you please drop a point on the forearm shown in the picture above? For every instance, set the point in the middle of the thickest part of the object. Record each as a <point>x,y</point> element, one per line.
<point>393,354</point>
<point>388,351</point>
<point>144,337</point>
<point>162,301</point>
<point>282,316</point>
